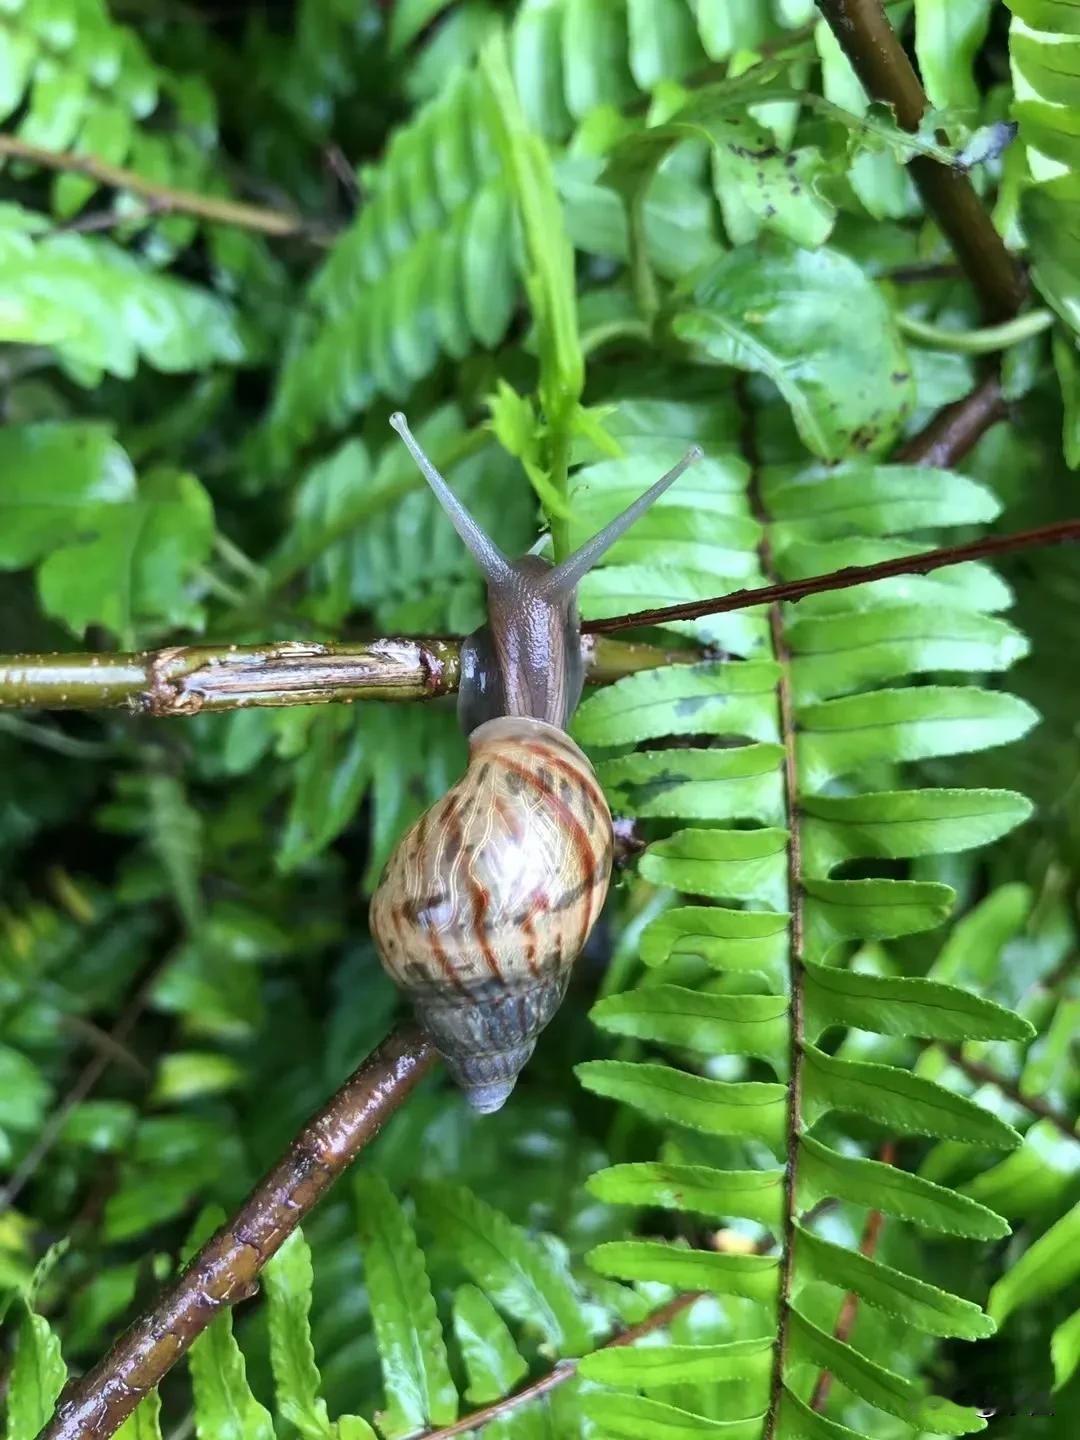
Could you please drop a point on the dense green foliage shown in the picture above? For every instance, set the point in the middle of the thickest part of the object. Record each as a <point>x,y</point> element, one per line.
<point>569,237</point>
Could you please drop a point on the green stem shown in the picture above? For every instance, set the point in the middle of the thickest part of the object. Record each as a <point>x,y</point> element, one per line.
<point>984,341</point>
<point>188,680</point>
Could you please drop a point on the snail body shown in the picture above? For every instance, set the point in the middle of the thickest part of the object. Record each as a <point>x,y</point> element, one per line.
<point>488,900</point>
<point>490,897</point>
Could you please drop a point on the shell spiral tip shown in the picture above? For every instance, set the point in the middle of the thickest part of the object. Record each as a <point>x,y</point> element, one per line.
<point>486,1099</point>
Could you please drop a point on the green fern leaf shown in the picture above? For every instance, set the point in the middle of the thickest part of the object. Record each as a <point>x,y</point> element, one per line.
<point>709,699</point>
<point>843,736</point>
<point>717,1107</point>
<point>522,1277</point>
<point>889,1005</point>
<point>629,1417</point>
<point>883,1388</point>
<point>38,1374</point>
<point>925,1306</point>
<point>287,1281</point>
<point>650,1367</point>
<point>420,1392</point>
<point>225,1408</point>
<point>824,1174</point>
<point>722,864</point>
<point>691,1019</point>
<point>870,910</point>
<point>718,1194</point>
<point>492,1360</point>
<point>904,1103</point>
<point>738,940</point>
<point>1065,1349</point>
<point>697,784</point>
<point>754,1277</point>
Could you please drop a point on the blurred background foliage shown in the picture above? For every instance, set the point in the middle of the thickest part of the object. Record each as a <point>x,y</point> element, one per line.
<point>195,445</point>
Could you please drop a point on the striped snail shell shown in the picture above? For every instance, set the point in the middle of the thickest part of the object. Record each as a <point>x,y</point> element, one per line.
<point>488,900</point>
<point>490,897</point>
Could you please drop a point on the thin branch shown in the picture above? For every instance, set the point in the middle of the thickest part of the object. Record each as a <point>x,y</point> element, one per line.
<point>849,1310</point>
<point>887,74</point>
<point>1033,1104</point>
<point>1060,533</point>
<point>226,1269</point>
<point>565,1370</point>
<point>192,679</point>
<point>195,679</point>
<point>166,198</point>
<point>956,428</point>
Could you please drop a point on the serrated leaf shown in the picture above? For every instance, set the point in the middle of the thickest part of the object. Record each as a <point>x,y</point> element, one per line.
<point>755,1277</point>
<point>901,1102</point>
<point>37,1376</point>
<point>492,1361</point>
<point>715,698</point>
<point>629,1417</point>
<point>895,1005</point>
<point>225,1408</point>
<point>744,783</point>
<point>916,1302</point>
<point>870,910</point>
<point>843,736</point>
<point>837,359</point>
<point>622,589</point>
<point>868,500</point>
<point>412,1354</point>
<point>649,1367</point>
<point>723,864</point>
<point>697,1020</point>
<point>839,653</point>
<point>883,1388</point>
<point>521,1276</point>
<point>717,1107</point>
<point>718,1194</point>
<point>1046,1267</point>
<point>738,940</point>
<point>824,1174</point>
<point>287,1281</point>
<point>899,824</point>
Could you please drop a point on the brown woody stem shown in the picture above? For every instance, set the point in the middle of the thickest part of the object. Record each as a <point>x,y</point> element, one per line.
<point>164,198</point>
<point>879,60</point>
<point>226,1269</point>
<point>956,428</point>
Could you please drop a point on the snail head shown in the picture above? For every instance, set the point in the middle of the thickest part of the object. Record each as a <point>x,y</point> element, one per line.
<point>527,659</point>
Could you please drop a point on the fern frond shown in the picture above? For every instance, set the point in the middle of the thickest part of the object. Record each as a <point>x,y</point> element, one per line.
<point>723,981</point>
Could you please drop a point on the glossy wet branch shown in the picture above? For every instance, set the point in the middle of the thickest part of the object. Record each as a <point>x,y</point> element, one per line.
<point>881,63</point>
<point>226,1269</point>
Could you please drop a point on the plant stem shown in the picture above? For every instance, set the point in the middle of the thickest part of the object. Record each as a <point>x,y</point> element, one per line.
<point>226,1269</point>
<point>887,74</point>
<point>213,208</point>
<point>1062,532</point>
<point>956,428</point>
<point>193,679</point>
<point>189,680</point>
<point>985,341</point>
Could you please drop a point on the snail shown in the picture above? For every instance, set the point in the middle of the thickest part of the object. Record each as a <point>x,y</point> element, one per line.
<point>489,898</point>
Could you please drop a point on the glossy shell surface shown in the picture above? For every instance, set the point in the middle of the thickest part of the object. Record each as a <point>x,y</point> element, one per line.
<point>490,897</point>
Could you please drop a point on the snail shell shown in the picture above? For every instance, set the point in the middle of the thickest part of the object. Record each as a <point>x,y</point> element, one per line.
<point>490,897</point>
